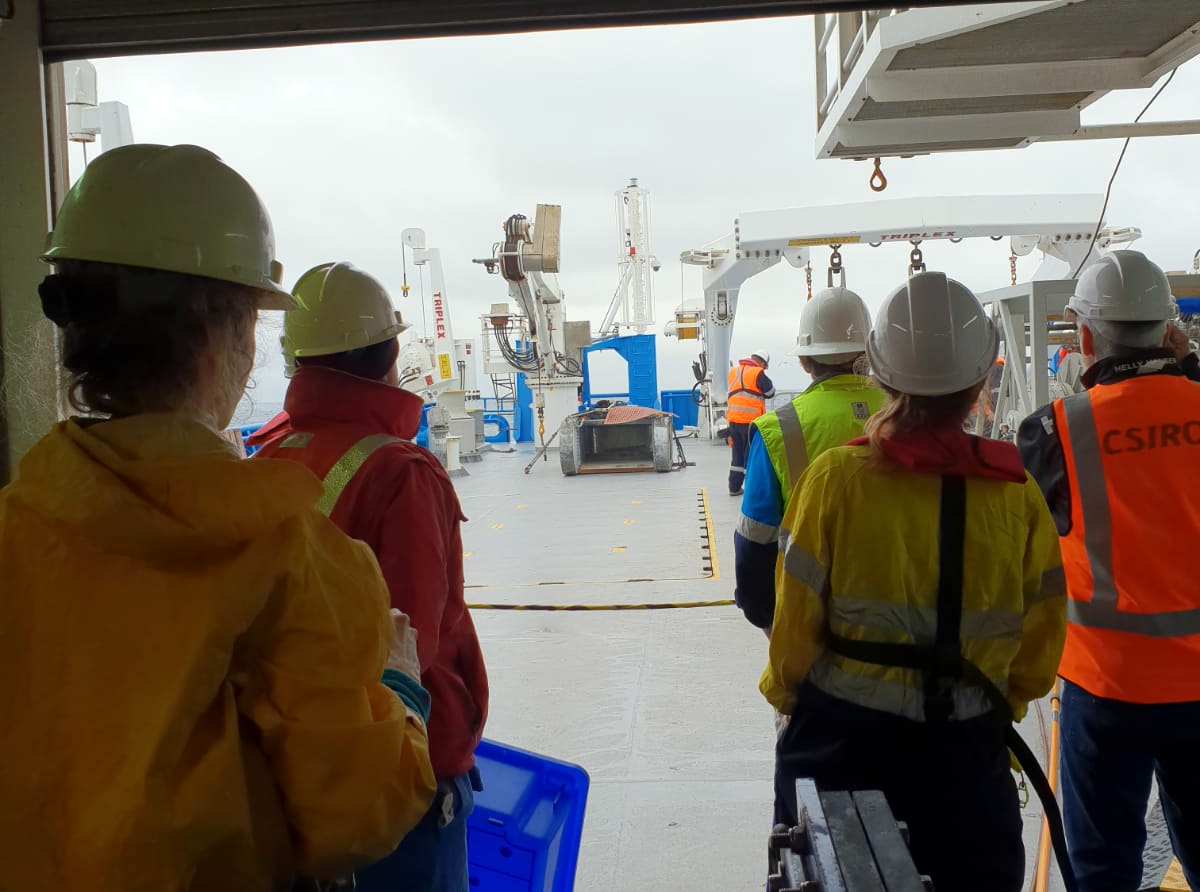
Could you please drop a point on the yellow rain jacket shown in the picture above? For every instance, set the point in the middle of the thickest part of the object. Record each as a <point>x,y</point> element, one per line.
<point>191,672</point>
<point>858,551</point>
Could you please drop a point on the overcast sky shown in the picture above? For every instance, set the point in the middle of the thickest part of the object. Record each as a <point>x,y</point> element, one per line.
<point>350,144</point>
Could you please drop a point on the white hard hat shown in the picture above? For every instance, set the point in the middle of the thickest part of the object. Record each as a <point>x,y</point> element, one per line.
<point>932,338</point>
<point>833,325</point>
<point>764,355</point>
<point>1124,286</point>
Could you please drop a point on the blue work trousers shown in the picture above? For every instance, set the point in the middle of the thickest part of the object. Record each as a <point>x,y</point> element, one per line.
<point>431,858</point>
<point>1111,750</point>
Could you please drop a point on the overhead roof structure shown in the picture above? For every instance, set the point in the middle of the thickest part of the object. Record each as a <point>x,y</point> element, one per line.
<point>82,28</point>
<point>987,76</point>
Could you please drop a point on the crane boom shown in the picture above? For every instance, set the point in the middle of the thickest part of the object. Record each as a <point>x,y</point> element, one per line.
<point>1062,226</point>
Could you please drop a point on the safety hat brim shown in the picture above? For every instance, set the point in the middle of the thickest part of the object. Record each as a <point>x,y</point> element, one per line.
<point>271,295</point>
<point>276,299</point>
<point>829,348</point>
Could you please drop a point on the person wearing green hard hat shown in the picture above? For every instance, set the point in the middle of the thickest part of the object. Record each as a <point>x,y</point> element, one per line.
<point>189,645</point>
<point>347,421</point>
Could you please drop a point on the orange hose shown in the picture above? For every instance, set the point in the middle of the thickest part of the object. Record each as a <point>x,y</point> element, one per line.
<point>1041,874</point>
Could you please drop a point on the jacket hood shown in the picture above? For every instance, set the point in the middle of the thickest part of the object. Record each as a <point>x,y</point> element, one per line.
<point>157,486</point>
<point>952,451</point>
<point>318,397</point>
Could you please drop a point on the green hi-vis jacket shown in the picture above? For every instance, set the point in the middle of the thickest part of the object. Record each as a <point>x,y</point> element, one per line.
<point>830,413</point>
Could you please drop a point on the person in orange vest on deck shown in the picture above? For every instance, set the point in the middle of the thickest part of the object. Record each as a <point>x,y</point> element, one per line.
<point>346,419</point>
<point>1118,463</point>
<point>749,390</point>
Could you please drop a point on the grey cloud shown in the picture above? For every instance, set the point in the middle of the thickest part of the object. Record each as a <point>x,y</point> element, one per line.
<point>350,144</point>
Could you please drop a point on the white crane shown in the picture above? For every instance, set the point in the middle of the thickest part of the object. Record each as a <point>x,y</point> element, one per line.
<point>428,364</point>
<point>528,260</point>
<point>1062,226</point>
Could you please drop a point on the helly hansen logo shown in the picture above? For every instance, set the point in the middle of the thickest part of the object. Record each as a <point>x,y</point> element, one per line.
<point>1156,436</point>
<point>861,410</point>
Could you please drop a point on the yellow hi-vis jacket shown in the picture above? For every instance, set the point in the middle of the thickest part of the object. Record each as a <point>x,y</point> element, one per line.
<point>191,662</point>
<point>859,552</point>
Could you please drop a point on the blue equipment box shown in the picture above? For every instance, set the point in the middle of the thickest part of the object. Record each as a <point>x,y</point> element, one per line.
<point>525,831</point>
<point>682,405</point>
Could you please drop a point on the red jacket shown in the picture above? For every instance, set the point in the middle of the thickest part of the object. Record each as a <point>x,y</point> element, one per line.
<point>402,504</point>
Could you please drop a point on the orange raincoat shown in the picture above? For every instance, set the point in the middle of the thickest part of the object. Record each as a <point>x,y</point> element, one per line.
<point>191,663</point>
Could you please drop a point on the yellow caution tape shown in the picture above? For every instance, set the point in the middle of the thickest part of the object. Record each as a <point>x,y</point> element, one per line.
<point>824,240</point>
<point>1174,881</point>
<point>709,538</point>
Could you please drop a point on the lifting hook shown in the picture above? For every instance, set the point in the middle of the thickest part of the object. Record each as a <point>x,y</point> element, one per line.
<point>835,266</point>
<point>916,260</point>
<point>878,181</point>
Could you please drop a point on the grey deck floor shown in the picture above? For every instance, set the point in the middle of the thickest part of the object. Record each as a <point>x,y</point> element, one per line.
<point>660,706</point>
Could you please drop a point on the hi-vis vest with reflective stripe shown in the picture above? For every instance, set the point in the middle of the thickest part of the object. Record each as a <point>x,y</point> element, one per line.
<point>860,552</point>
<point>828,414</point>
<point>338,477</point>
<point>1132,453</point>
<point>746,401</point>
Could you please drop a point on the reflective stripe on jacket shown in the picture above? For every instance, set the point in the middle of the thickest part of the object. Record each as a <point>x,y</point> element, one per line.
<point>395,496</point>
<point>746,401</point>
<point>1132,452</point>
<point>860,552</point>
<point>830,413</point>
<point>350,460</point>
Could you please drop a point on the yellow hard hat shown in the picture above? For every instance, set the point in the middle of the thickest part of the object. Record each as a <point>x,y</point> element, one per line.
<point>174,208</point>
<point>340,308</point>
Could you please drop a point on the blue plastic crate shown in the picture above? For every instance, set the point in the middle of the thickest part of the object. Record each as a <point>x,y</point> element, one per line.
<point>248,431</point>
<point>525,831</point>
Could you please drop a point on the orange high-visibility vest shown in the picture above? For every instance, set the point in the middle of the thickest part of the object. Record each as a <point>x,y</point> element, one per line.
<point>746,401</point>
<point>1132,453</point>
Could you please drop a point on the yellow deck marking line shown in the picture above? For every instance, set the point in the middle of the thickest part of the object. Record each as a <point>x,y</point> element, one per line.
<point>497,526</point>
<point>1174,881</point>
<point>466,554</point>
<point>589,582</point>
<point>580,607</point>
<point>712,542</point>
<point>519,507</point>
<point>714,576</point>
<point>629,521</point>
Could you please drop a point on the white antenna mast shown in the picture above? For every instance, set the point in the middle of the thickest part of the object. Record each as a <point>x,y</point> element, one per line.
<point>633,304</point>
